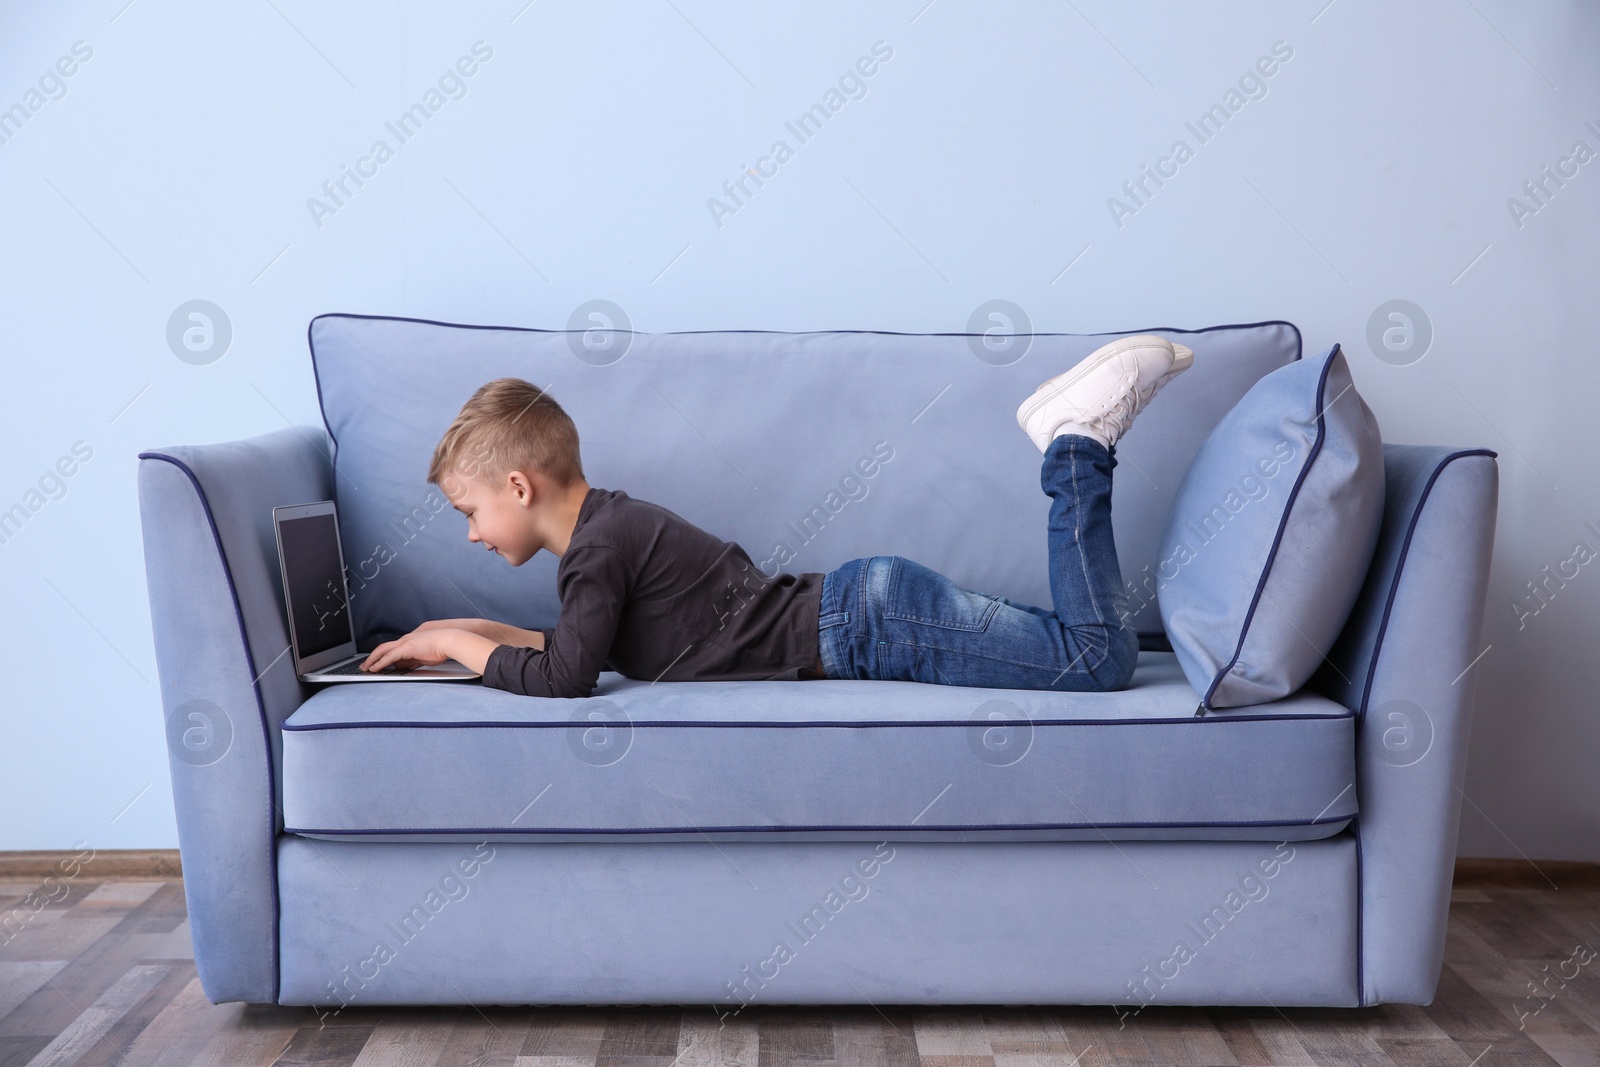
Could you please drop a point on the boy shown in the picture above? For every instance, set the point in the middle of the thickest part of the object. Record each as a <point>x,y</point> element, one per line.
<point>648,594</point>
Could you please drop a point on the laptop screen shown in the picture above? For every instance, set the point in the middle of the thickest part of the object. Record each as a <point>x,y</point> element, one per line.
<point>314,579</point>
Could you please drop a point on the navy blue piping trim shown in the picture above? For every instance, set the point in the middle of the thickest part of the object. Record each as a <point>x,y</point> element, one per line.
<point>1283,522</point>
<point>934,828</point>
<point>890,333</point>
<point>1361,978</point>
<point>261,707</point>
<point>1372,669</point>
<point>1187,720</point>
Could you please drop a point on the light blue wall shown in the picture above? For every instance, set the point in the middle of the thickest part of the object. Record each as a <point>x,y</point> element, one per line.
<point>1376,166</point>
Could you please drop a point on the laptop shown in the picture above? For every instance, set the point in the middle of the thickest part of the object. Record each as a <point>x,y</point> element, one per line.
<point>321,632</point>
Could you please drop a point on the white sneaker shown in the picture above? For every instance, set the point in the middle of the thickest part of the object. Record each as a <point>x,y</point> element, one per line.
<point>1100,397</point>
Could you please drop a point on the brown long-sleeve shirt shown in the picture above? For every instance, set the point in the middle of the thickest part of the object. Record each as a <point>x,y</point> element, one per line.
<point>648,594</point>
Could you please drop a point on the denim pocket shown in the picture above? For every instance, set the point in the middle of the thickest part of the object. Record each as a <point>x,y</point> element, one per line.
<point>922,595</point>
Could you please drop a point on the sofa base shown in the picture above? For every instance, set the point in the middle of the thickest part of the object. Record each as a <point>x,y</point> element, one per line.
<point>731,924</point>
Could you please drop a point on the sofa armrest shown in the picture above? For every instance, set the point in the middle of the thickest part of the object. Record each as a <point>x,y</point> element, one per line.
<point>221,638</point>
<point>1406,663</point>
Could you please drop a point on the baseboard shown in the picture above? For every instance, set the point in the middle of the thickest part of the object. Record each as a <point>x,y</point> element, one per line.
<point>133,864</point>
<point>1527,874</point>
<point>163,863</point>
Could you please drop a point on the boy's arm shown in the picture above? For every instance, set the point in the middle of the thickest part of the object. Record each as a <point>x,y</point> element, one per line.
<point>526,638</point>
<point>502,633</point>
<point>469,649</point>
<point>595,587</point>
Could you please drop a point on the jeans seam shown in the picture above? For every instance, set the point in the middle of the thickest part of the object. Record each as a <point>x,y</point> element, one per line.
<point>1077,535</point>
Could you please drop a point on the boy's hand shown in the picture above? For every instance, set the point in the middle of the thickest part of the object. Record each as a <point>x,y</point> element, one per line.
<point>424,645</point>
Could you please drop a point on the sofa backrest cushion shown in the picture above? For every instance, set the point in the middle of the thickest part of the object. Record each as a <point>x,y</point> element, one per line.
<point>763,439</point>
<point>1270,537</point>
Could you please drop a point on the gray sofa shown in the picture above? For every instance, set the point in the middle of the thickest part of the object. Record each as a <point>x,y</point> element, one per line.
<point>733,843</point>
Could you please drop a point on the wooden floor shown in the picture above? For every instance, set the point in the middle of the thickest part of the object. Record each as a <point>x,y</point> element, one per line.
<point>105,975</point>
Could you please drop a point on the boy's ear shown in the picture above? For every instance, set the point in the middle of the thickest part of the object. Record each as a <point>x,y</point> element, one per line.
<point>522,487</point>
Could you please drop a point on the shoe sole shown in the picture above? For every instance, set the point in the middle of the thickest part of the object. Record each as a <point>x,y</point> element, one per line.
<point>1049,388</point>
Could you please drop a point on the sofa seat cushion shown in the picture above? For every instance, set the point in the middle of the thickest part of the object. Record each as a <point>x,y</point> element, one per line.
<point>814,760</point>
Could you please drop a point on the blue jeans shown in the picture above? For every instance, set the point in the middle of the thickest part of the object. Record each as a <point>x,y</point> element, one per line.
<point>889,618</point>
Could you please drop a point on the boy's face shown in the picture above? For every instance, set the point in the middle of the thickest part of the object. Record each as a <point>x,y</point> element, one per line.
<point>501,517</point>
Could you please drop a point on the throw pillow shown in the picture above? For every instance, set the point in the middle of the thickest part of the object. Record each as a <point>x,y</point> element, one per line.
<point>1271,534</point>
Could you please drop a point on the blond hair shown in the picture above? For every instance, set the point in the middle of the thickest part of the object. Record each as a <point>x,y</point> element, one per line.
<point>507,425</point>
